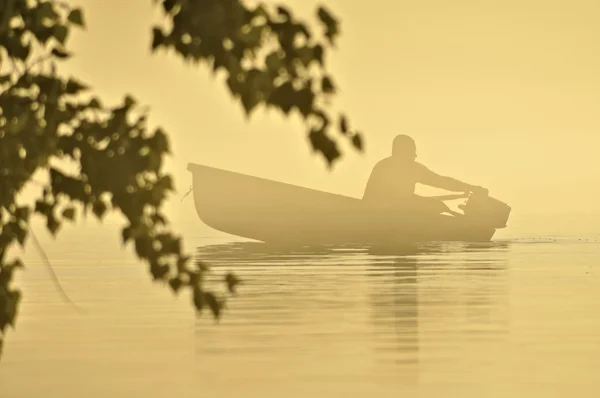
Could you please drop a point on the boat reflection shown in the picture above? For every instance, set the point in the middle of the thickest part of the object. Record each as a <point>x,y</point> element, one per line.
<point>407,304</point>
<point>439,297</point>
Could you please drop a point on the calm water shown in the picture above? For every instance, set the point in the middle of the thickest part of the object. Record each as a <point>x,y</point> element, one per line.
<point>518,317</point>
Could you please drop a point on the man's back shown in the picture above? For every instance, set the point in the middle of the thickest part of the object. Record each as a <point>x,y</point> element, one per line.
<point>393,180</point>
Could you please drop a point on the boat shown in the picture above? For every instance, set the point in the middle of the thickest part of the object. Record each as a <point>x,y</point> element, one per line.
<point>275,212</point>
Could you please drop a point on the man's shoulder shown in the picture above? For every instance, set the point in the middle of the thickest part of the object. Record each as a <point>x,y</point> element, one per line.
<point>424,172</point>
<point>390,162</point>
<point>383,163</point>
<point>420,166</point>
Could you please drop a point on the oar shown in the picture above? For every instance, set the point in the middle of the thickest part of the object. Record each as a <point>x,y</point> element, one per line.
<point>188,192</point>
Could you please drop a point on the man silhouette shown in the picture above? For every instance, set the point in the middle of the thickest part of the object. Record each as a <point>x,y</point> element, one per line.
<point>393,179</point>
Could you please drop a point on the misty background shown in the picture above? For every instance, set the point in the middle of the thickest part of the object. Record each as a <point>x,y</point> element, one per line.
<point>503,95</point>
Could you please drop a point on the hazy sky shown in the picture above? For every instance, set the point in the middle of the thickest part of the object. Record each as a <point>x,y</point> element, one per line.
<point>502,94</point>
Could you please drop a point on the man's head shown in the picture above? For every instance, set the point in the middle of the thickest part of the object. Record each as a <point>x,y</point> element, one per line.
<point>404,147</point>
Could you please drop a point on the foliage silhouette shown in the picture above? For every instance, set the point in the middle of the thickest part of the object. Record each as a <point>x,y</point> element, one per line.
<point>270,58</point>
<point>49,122</point>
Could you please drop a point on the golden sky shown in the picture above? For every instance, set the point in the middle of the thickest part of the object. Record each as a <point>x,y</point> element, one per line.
<point>503,94</point>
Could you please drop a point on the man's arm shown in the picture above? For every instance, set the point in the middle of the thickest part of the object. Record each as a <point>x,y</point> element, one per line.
<point>430,178</point>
